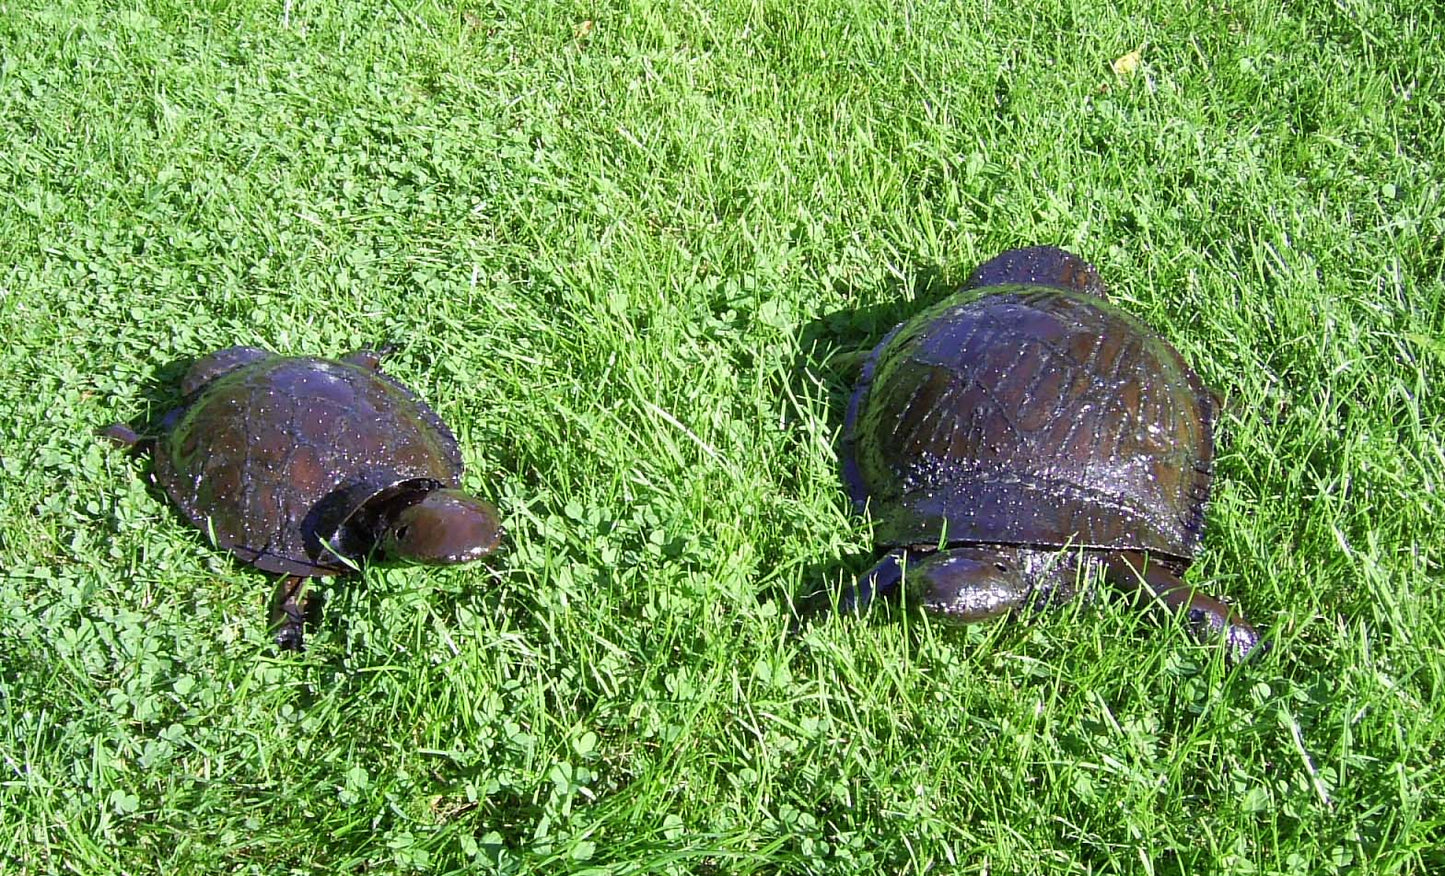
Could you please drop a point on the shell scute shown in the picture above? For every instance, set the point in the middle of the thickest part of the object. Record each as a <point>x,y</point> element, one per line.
<point>1031,415</point>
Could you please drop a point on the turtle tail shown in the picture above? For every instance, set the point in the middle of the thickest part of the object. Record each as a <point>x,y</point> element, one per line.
<point>122,435</point>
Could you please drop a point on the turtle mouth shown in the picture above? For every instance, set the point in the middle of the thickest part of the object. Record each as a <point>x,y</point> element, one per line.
<point>475,552</point>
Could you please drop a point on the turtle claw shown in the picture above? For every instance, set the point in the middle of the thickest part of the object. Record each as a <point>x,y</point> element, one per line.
<point>1209,619</point>
<point>290,638</point>
<point>288,614</point>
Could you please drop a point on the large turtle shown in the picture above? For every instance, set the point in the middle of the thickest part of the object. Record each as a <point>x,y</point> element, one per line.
<point>305,466</point>
<point>1025,426</point>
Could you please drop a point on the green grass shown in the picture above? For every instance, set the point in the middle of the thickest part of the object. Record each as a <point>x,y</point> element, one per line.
<point>631,262</point>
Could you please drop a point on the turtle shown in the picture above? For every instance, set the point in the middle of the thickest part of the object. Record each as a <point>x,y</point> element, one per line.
<point>1021,422</point>
<point>305,466</point>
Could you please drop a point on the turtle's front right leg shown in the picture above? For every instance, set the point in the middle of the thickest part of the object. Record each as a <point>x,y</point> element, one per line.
<point>288,613</point>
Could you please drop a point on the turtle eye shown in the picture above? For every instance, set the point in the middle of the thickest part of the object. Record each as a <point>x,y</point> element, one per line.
<point>401,532</point>
<point>1001,567</point>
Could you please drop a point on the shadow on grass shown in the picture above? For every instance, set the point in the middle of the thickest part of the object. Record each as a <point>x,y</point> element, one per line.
<point>832,349</point>
<point>161,391</point>
<point>833,346</point>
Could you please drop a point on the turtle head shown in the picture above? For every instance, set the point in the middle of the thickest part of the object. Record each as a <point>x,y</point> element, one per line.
<point>966,584</point>
<point>441,528</point>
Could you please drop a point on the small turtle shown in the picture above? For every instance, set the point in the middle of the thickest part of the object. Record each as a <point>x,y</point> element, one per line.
<point>1021,421</point>
<point>305,466</point>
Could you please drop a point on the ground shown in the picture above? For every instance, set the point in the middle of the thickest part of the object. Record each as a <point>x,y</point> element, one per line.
<point>633,253</point>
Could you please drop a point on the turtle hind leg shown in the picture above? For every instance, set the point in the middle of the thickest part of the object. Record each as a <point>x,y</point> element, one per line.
<point>208,368</point>
<point>369,358</point>
<point>288,613</point>
<point>1209,618</point>
<point>1039,265</point>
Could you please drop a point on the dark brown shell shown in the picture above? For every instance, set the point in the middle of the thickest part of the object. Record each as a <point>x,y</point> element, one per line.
<point>1031,415</point>
<point>273,457</point>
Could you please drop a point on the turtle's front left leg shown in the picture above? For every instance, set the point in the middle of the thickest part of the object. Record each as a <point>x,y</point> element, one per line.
<point>1209,618</point>
<point>288,613</point>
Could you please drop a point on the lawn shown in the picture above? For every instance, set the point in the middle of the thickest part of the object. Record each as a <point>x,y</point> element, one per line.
<point>633,253</point>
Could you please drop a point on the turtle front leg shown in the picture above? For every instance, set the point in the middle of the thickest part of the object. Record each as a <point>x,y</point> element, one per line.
<point>1208,617</point>
<point>288,613</point>
<point>880,581</point>
<point>963,584</point>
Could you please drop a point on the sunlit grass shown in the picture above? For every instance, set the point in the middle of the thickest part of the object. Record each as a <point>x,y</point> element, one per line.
<point>632,255</point>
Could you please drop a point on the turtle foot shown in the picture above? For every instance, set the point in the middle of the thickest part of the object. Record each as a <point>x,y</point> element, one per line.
<point>288,614</point>
<point>369,358</point>
<point>1209,619</point>
<point>290,638</point>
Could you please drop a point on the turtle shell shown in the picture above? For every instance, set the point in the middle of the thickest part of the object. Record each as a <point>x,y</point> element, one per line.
<point>1031,415</point>
<point>274,458</point>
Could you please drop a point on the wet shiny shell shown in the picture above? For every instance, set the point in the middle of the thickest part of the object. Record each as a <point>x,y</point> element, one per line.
<point>272,457</point>
<point>1031,415</point>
